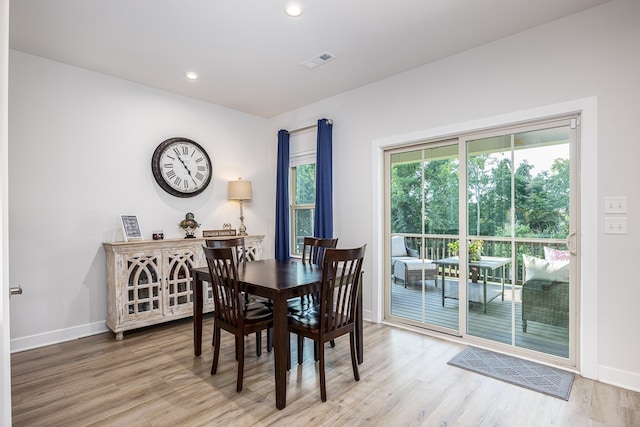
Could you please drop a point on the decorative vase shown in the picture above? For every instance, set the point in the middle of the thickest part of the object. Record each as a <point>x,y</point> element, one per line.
<point>189,225</point>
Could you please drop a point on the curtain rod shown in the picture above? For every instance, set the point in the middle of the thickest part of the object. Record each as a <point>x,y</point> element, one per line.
<point>308,127</point>
<point>301,129</point>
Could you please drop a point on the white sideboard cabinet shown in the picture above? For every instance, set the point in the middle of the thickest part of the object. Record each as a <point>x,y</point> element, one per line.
<point>150,282</point>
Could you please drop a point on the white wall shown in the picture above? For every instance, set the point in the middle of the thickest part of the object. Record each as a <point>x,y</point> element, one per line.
<point>594,53</point>
<point>80,153</point>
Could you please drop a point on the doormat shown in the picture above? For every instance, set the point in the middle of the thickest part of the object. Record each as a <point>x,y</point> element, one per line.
<point>534,376</point>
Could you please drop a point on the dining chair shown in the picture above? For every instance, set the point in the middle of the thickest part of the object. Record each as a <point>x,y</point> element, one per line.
<point>336,316</point>
<point>312,253</point>
<point>230,312</point>
<point>252,302</point>
<point>313,249</point>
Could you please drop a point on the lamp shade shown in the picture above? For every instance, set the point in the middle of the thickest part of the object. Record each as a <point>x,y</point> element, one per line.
<point>239,190</point>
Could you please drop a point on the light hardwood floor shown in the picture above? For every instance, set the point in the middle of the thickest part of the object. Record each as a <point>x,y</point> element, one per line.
<point>152,379</point>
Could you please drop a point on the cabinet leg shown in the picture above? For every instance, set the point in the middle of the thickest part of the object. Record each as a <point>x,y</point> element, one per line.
<point>119,336</point>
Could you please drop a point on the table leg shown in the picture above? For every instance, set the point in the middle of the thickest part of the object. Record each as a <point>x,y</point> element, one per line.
<point>280,349</point>
<point>443,285</point>
<point>197,315</point>
<point>484,292</point>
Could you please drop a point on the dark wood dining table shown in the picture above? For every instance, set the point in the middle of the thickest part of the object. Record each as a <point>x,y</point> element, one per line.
<point>277,281</point>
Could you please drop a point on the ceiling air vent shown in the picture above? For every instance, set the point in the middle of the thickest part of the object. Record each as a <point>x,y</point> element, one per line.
<point>318,60</point>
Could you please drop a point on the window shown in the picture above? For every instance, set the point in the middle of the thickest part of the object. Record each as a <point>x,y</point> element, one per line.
<point>303,198</point>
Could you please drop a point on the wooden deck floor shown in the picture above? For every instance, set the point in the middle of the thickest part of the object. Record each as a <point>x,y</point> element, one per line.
<point>495,324</point>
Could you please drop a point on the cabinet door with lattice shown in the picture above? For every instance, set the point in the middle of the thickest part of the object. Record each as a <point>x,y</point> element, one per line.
<point>179,282</point>
<point>142,294</point>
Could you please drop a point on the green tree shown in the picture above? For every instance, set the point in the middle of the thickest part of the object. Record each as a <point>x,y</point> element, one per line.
<point>406,198</point>
<point>441,197</point>
<point>541,202</point>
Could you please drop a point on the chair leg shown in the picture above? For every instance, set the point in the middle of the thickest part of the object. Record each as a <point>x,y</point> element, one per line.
<point>240,351</point>
<point>354,360</point>
<point>216,350</point>
<point>300,348</point>
<point>236,349</point>
<point>323,379</point>
<point>333,343</point>
<point>259,343</point>
<point>269,339</point>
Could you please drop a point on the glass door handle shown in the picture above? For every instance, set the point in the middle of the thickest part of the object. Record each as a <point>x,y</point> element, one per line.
<point>15,290</point>
<point>571,240</point>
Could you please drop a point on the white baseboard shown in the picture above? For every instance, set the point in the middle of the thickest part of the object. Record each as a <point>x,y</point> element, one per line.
<point>619,378</point>
<point>54,337</point>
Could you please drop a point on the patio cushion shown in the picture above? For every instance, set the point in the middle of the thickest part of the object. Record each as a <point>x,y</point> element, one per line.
<point>398,247</point>
<point>540,269</point>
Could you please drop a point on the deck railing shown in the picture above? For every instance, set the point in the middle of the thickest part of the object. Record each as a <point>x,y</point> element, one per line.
<point>434,247</point>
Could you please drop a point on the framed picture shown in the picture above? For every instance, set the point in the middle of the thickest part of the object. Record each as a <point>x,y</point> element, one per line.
<point>130,227</point>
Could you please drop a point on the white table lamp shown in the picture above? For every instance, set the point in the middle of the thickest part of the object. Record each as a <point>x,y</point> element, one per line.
<point>240,190</point>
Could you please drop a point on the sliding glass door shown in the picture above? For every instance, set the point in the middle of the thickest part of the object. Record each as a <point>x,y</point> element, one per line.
<point>519,205</point>
<point>481,237</point>
<point>424,217</point>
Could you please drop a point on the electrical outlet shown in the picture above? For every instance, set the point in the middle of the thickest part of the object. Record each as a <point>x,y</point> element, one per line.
<point>615,204</point>
<point>615,225</point>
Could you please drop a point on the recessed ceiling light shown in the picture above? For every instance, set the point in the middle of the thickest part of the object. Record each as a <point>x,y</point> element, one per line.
<point>293,10</point>
<point>191,75</point>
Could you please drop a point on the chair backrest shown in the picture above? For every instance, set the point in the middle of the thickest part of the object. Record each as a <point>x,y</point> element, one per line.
<point>341,281</point>
<point>233,242</point>
<point>223,269</point>
<point>313,249</point>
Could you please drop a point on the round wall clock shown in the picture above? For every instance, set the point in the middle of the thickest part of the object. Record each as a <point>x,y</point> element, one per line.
<point>181,167</point>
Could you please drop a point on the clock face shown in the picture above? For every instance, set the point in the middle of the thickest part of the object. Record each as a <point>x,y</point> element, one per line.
<point>181,167</point>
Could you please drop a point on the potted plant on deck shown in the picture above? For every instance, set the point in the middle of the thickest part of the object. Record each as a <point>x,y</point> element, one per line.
<point>475,249</point>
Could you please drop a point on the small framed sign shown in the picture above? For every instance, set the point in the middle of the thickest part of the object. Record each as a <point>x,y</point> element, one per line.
<point>130,227</point>
<point>219,233</point>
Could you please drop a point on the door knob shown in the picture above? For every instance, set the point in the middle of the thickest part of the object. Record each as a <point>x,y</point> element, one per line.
<point>15,290</point>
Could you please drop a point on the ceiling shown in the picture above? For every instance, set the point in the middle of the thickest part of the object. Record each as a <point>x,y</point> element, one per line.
<point>249,54</point>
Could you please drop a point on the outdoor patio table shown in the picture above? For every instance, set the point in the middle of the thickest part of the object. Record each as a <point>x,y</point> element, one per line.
<point>487,264</point>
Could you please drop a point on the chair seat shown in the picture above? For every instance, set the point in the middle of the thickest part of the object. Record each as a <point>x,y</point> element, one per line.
<point>300,304</point>
<point>256,312</point>
<point>308,319</point>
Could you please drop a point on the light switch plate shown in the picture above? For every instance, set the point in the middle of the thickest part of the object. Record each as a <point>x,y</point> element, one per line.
<point>615,204</point>
<point>615,225</point>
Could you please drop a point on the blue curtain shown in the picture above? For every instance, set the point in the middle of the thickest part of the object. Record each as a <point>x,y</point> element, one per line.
<point>323,216</point>
<point>282,197</point>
